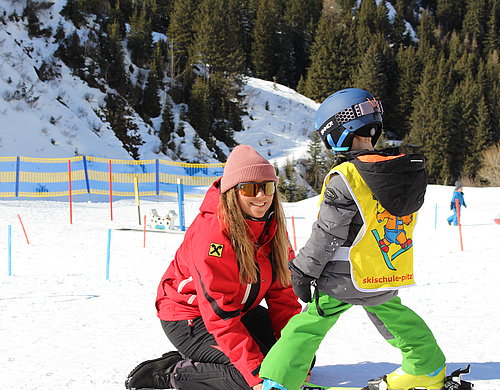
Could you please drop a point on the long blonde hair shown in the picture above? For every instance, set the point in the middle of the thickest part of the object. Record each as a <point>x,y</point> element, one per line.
<point>233,222</point>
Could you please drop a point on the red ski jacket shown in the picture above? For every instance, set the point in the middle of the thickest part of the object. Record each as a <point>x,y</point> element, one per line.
<point>203,280</point>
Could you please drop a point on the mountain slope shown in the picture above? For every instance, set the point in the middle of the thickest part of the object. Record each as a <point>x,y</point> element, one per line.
<point>46,111</point>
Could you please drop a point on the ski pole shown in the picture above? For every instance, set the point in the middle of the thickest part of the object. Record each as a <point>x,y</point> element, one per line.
<point>108,254</point>
<point>137,199</point>
<point>24,230</point>
<point>457,206</point>
<point>144,231</point>
<point>435,216</point>
<point>294,235</point>
<point>9,251</point>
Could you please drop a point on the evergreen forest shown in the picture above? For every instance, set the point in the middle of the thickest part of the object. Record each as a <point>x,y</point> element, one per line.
<point>433,63</point>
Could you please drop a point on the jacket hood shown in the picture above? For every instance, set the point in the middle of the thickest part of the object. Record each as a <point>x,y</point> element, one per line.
<point>212,198</point>
<point>398,182</point>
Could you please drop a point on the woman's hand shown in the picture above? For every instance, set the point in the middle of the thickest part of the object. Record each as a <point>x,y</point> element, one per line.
<point>257,387</point>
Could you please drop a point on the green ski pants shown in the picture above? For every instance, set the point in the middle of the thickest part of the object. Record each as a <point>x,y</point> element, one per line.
<point>290,358</point>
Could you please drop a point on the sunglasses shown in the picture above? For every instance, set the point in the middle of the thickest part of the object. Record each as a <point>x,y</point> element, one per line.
<point>252,189</point>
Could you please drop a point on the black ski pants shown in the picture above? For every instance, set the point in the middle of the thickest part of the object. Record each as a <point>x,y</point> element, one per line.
<point>205,367</point>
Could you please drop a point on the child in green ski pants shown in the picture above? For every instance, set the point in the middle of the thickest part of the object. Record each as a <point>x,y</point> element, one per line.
<point>305,331</point>
<point>360,251</point>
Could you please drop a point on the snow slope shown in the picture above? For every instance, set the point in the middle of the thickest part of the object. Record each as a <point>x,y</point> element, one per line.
<point>64,326</point>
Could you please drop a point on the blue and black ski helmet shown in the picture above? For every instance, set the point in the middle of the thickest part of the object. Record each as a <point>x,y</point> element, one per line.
<point>345,113</point>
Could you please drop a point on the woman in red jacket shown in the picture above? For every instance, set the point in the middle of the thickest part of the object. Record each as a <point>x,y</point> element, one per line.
<point>234,255</point>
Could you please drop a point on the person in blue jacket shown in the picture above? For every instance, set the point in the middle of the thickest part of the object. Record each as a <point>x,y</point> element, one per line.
<point>457,194</point>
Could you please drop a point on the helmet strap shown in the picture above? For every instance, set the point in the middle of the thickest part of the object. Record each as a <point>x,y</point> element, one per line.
<point>337,147</point>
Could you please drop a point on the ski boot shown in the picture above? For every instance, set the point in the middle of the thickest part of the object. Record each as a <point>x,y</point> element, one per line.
<point>399,379</point>
<point>383,246</point>
<point>435,380</point>
<point>268,384</point>
<point>153,373</point>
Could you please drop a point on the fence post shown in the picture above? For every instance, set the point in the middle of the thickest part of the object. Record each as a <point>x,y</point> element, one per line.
<point>87,181</point>
<point>18,168</point>
<point>110,190</point>
<point>180,201</point>
<point>157,177</point>
<point>70,191</point>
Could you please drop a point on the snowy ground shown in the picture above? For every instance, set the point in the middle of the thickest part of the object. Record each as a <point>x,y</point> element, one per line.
<point>64,326</point>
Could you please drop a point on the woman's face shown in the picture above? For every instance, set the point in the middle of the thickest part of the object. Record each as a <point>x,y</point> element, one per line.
<point>255,206</point>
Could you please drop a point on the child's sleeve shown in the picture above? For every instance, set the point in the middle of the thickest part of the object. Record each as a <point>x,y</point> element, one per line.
<point>330,231</point>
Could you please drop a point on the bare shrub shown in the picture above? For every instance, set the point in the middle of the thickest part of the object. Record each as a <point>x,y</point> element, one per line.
<point>490,170</point>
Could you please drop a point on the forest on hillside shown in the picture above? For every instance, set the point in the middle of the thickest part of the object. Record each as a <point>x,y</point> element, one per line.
<point>433,63</point>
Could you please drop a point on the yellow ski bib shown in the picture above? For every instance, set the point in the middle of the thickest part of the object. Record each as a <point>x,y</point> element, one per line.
<point>381,256</point>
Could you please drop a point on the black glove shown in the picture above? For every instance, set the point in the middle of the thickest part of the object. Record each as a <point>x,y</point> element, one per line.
<point>301,283</point>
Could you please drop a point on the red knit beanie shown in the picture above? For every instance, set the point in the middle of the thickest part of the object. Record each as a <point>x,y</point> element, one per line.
<point>246,164</point>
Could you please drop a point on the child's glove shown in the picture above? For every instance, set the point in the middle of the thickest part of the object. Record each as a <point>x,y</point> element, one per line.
<point>301,283</point>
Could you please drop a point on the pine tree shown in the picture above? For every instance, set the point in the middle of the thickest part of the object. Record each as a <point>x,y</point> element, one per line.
<point>300,21</point>
<point>160,13</point>
<point>113,66</point>
<point>449,14</point>
<point>484,126</point>
<point>119,116</point>
<point>200,110</point>
<point>139,40</point>
<point>247,11</point>
<point>377,73</point>
<point>265,45</point>
<point>492,89</point>
<point>383,26</point>
<point>288,185</point>
<point>427,39</point>
<point>316,168</point>
<point>159,61</point>
<point>216,47</point>
<point>220,62</point>
<point>492,34</point>
<point>372,74</point>
<point>398,35</point>
<point>474,24</point>
<point>331,58</point>
<point>457,55</point>
<point>432,121</point>
<point>96,7</point>
<point>464,109</point>
<point>151,101</point>
<point>366,26</point>
<point>181,34</point>
<point>409,70</point>
<point>487,85</point>
<point>481,139</point>
<point>167,127</point>
<point>73,12</point>
<point>72,52</point>
<point>476,118</point>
